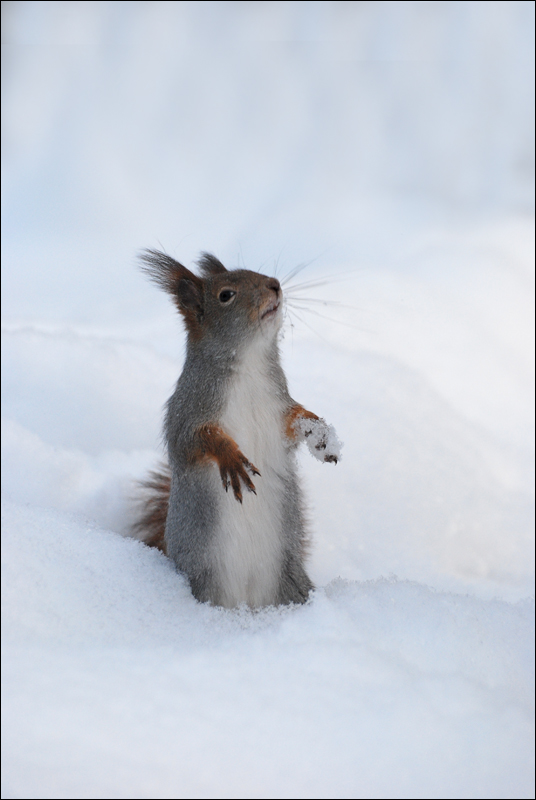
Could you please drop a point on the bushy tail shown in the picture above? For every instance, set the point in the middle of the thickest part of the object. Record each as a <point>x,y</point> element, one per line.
<point>151,524</point>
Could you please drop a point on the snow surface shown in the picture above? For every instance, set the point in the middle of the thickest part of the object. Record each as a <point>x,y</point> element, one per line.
<point>390,146</point>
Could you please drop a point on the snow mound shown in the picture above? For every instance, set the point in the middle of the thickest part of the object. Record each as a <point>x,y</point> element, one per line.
<point>382,688</point>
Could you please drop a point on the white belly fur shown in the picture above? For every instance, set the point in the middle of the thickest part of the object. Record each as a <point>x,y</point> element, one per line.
<point>248,550</point>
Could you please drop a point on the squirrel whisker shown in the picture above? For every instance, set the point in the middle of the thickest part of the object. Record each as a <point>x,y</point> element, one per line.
<point>324,316</point>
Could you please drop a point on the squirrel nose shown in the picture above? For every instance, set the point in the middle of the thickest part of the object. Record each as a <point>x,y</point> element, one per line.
<point>273,283</point>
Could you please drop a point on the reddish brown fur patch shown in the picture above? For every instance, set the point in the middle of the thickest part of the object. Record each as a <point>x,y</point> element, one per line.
<point>214,444</point>
<point>151,525</point>
<point>295,413</point>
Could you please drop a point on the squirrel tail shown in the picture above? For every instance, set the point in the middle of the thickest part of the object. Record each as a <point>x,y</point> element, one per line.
<point>151,524</point>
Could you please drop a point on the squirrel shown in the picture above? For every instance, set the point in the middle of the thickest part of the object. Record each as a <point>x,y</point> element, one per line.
<point>228,508</point>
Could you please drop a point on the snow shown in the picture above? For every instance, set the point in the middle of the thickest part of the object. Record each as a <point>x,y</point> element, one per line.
<point>134,689</point>
<point>390,146</point>
<point>321,439</point>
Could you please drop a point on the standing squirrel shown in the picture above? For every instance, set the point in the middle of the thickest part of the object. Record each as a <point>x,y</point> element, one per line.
<point>232,425</point>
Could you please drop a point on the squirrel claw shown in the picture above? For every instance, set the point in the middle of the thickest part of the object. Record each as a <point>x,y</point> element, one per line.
<point>233,476</point>
<point>248,482</point>
<point>238,495</point>
<point>215,444</point>
<point>225,479</point>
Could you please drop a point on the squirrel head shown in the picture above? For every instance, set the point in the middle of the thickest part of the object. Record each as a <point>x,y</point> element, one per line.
<point>227,305</point>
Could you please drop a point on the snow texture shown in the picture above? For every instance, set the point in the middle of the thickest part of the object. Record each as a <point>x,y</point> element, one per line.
<point>390,147</point>
<point>321,439</point>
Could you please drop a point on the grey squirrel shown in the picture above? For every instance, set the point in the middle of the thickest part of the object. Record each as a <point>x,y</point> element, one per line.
<point>228,509</point>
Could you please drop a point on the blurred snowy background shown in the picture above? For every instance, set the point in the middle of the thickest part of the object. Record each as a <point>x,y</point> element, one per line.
<point>390,147</point>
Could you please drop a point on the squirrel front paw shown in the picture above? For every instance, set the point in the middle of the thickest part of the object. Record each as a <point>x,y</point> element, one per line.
<point>233,470</point>
<point>320,438</point>
<point>212,443</point>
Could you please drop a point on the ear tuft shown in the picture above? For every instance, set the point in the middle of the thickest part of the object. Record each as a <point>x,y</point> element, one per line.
<point>165,271</point>
<point>210,265</point>
<point>186,288</point>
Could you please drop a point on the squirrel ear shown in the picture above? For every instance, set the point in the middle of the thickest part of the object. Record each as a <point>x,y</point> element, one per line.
<point>166,272</point>
<point>190,297</point>
<point>210,265</point>
<point>184,286</point>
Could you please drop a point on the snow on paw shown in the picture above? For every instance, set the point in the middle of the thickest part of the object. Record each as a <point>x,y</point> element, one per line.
<point>321,439</point>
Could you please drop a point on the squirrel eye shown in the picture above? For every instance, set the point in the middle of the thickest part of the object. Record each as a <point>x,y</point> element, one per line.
<point>226,295</point>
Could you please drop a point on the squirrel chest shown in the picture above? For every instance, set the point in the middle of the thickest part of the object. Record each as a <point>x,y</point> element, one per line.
<point>251,545</point>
